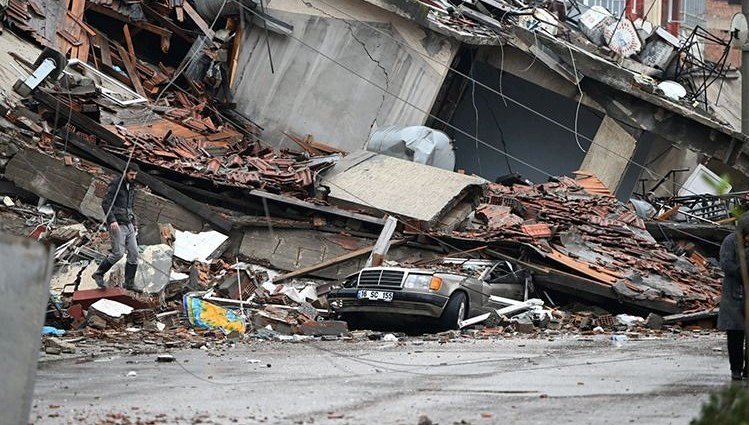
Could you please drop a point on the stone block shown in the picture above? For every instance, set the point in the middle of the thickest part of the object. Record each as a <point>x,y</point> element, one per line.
<point>154,266</point>
<point>324,327</point>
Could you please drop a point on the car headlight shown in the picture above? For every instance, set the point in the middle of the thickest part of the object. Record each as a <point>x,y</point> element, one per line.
<point>418,281</point>
<point>435,283</point>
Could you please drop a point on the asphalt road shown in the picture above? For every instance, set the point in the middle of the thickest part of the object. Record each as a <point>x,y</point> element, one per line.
<point>503,381</point>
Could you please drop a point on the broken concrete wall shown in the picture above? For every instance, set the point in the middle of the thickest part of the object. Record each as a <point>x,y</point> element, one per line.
<point>24,290</point>
<point>609,154</point>
<point>310,94</point>
<point>83,191</point>
<point>292,249</point>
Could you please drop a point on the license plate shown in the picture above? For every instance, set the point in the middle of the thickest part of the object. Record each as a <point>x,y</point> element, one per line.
<point>364,294</point>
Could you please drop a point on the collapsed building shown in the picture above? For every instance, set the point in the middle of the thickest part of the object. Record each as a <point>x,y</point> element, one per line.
<point>227,108</point>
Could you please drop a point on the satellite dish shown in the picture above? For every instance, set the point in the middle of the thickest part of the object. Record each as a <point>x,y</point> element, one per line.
<point>739,30</point>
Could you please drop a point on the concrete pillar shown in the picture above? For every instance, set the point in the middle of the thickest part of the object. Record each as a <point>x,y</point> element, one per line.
<point>610,153</point>
<point>25,269</point>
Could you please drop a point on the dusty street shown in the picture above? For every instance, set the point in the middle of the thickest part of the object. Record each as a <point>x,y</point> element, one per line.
<point>529,381</point>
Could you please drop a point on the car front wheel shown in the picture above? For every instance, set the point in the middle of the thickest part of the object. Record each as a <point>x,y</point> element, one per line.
<point>454,312</point>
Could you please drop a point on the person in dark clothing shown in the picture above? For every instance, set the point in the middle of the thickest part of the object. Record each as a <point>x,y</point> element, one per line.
<point>118,207</point>
<point>731,315</point>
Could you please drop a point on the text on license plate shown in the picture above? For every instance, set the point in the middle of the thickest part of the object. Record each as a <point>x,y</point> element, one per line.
<point>364,294</point>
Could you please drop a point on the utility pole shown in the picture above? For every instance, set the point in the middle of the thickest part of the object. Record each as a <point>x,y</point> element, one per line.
<point>745,131</point>
<point>745,76</point>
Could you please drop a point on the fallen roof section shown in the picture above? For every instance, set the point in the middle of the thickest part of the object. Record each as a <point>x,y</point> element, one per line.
<point>593,236</point>
<point>382,183</point>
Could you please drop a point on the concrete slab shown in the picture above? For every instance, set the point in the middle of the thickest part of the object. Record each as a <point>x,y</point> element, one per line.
<point>25,269</point>
<point>154,267</point>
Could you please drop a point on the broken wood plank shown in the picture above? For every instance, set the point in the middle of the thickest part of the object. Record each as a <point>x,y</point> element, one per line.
<point>129,42</point>
<point>106,54</point>
<point>77,9</point>
<point>332,262</point>
<point>167,23</point>
<point>302,144</point>
<point>235,47</point>
<point>82,24</point>
<point>164,33</point>
<point>195,16</point>
<point>70,38</point>
<point>132,72</point>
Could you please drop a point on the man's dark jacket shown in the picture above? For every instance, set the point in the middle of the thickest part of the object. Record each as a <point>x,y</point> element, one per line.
<point>731,315</point>
<point>120,201</point>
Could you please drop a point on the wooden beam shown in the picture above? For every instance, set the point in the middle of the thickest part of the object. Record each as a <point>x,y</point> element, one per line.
<point>332,262</point>
<point>195,16</point>
<point>106,54</point>
<point>132,72</point>
<point>76,118</point>
<point>129,42</point>
<point>82,24</point>
<point>168,23</point>
<point>235,49</point>
<point>164,33</point>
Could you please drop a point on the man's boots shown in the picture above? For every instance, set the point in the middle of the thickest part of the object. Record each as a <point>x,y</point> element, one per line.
<point>130,270</point>
<point>99,273</point>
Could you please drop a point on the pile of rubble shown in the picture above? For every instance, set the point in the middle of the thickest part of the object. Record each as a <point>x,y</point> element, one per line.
<point>575,225</point>
<point>109,96</point>
<point>179,287</point>
<point>571,37</point>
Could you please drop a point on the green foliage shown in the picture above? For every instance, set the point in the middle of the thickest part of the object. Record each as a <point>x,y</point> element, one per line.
<point>722,186</point>
<point>730,406</point>
<point>737,211</point>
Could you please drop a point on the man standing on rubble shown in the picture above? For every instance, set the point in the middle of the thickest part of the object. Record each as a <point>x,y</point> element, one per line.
<point>731,315</point>
<point>118,207</point>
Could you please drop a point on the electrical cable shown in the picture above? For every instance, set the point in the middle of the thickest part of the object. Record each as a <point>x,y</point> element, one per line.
<point>501,132</point>
<point>579,101</point>
<point>476,112</point>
